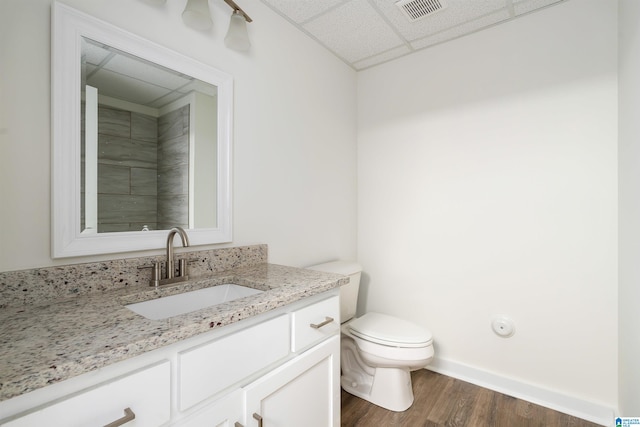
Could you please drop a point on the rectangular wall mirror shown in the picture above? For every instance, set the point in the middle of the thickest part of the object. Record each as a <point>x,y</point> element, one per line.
<point>141,141</point>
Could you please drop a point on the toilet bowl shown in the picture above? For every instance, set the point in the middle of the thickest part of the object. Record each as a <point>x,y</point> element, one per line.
<point>378,351</point>
<point>376,362</point>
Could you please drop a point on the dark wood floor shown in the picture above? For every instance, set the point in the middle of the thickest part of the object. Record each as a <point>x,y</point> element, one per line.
<point>445,401</point>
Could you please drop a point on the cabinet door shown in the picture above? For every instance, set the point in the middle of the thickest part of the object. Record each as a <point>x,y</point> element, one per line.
<point>225,412</point>
<point>302,392</point>
<point>210,368</point>
<point>146,393</point>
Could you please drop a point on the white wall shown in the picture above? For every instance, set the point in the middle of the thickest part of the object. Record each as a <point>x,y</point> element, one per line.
<point>487,185</point>
<point>629,216</point>
<point>295,129</point>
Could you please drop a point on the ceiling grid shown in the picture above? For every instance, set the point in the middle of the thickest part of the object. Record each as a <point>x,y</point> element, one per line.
<point>365,33</point>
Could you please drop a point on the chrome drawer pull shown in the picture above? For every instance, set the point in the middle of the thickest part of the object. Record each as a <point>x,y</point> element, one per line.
<point>237,424</point>
<point>320,325</point>
<point>259,418</point>
<point>128,416</point>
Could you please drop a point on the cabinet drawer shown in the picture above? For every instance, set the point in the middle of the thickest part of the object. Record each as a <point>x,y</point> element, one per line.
<point>224,412</point>
<point>147,393</point>
<point>304,334</point>
<point>212,367</point>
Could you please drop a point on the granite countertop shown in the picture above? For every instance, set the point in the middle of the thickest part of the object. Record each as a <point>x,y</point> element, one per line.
<point>48,343</point>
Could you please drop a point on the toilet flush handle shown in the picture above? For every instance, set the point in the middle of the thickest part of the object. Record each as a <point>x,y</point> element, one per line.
<point>320,325</point>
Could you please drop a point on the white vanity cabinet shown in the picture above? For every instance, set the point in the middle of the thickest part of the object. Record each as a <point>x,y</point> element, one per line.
<point>214,366</point>
<point>303,392</point>
<point>283,366</point>
<point>144,395</point>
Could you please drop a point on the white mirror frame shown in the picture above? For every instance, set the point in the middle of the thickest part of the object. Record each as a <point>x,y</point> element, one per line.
<point>68,28</point>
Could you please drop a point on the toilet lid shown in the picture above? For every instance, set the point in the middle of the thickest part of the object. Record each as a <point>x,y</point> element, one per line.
<point>389,330</point>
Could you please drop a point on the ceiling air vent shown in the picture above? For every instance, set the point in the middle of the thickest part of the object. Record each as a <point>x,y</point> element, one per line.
<point>418,9</point>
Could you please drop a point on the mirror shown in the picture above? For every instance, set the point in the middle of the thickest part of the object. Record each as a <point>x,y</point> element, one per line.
<point>141,141</point>
<point>148,140</point>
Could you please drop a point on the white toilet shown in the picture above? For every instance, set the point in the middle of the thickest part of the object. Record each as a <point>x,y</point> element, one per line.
<point>377,350</point>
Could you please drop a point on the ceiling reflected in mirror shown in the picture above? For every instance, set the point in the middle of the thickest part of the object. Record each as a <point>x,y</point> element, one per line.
<point>123,76</point>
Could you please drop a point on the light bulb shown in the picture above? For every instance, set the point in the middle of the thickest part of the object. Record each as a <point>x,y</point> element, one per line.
<point>196,14</point>
<point>237,37</point>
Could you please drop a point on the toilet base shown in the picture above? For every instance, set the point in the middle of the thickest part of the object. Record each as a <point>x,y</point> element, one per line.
<point>391,389</point>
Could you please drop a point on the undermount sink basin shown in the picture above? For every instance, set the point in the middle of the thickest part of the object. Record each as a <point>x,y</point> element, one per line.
<point>187,302</point>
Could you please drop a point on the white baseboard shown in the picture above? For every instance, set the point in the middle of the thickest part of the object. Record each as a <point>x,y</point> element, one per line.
<point>589,411</point>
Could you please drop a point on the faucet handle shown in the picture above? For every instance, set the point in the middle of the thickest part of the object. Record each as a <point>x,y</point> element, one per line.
<point>156,273</point>
<point>182,268</point>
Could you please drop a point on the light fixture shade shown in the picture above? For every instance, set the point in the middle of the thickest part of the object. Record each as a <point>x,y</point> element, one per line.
<point>237,37</point>
<point>196,14</point>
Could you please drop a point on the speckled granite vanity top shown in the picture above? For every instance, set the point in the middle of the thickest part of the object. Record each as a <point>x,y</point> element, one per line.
<point>46,343</point>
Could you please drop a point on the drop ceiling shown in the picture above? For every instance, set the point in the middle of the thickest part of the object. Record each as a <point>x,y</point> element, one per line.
<point>365,33</point>
<point>121,76</point>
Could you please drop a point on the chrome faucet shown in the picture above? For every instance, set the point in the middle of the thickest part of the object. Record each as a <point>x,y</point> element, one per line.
<point>156,267</point>
<point>170,265</point>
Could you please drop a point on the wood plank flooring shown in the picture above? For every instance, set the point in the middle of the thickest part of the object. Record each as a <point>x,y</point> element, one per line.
<point>445,401</point>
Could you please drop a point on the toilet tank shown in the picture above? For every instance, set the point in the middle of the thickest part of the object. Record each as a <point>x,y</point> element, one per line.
<point>348,292</point>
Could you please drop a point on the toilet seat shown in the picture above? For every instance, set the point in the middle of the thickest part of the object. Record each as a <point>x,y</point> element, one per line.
<point>389,331</point>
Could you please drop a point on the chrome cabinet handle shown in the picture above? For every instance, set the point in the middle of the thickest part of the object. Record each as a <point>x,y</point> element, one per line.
<point>320,325</point>
<point>237,424</point>
<point>259,418</point>
<point>128,416</point>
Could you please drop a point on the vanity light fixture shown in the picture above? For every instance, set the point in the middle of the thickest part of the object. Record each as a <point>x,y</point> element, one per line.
<point>237,37</point>
<point>155,2</point>
<point>196,14</point>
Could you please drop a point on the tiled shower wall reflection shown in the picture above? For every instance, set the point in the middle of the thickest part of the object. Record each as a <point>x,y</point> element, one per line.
<point>173,169</point>
<point>127,170</point>
<point>134,167</point>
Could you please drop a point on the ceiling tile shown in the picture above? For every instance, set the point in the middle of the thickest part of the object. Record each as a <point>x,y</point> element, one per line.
<point>461,30</point>
<point>145,71</point>
<point>364,33</point>
<point>122,87</point>
<point>383,57</point>
<point>92,53</point>
<point>524,6</point>
<point>165,99</point>
<point>88,69</point>
<point>302,10</point>
<point>354,31</point>
<point>200,86</point>
<point>456,12</point>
